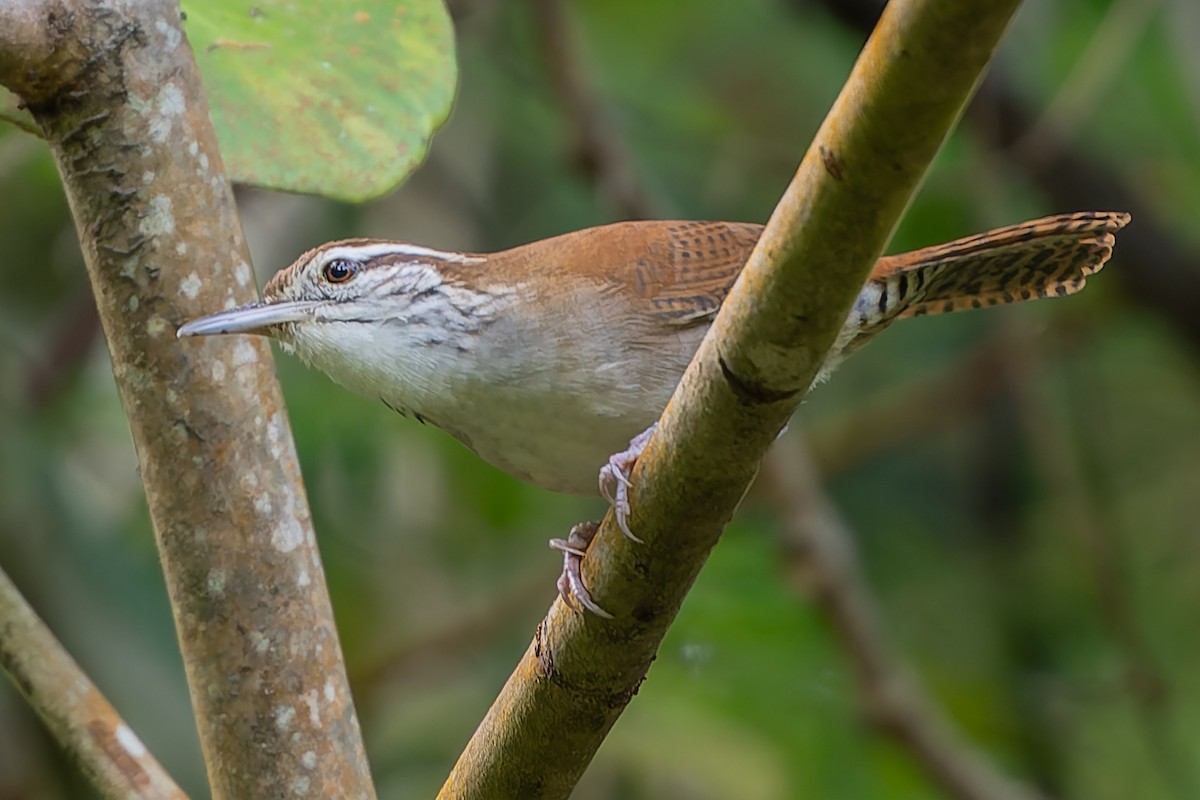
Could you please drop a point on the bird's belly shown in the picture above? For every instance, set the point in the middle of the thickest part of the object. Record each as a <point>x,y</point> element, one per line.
<point>547,405</point>
<point>550,445</point>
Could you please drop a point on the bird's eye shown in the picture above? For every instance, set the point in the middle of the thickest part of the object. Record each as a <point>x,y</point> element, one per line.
<point>339,270</point>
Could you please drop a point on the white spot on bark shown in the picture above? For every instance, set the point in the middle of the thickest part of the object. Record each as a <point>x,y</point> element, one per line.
<point>216,583</point>
<point>218,371</point>
<point>148,177</point>
<point>168,104</point>
<point>244,353</point>
<point>242,273</point>
<point>330,691</point>
<point>301,785</point>
<point>191,285</point>
<point>284,716</point>
<point>309,760</point>
<point>204,162</point>
<point>260,643</point>
<point>181,249</point>
<point>133,303</point>
<point>137,103</point>
<point>303,579</point>
<point>289,533</point>
<point>314,708</point>
<point>262,503</point>
<point>130,741</point>
<point>171,100</point>
<point>160,128</point>
<point>172,36</point>
<point>275,431</point>
<point>159,219</point>
<point>157,326</point>
<point>193,149</point>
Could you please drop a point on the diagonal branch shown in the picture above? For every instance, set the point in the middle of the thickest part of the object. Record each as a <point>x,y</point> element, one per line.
<point>78,716</point>
<point>754,367</point>
<point>114,88</point>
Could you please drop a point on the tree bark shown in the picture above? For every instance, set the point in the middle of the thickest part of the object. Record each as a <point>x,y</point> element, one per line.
<point>114,88</point>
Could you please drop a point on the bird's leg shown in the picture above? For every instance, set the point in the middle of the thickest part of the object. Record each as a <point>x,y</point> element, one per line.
<point>614,485</point>
<point>614,478</point>
<point>570,583</point>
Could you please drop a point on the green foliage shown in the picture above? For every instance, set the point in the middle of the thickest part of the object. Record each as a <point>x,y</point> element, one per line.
<point>324,97</point>
<point>438,565</point>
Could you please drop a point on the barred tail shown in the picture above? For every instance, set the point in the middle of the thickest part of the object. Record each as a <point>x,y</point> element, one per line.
<point>1048,257</point>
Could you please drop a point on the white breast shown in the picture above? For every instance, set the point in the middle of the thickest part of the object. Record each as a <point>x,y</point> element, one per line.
<point>545,402</point>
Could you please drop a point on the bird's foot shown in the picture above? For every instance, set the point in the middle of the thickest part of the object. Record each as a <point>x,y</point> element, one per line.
<point>570,583</point>
<point>614,485</point>
<point>614,479</point>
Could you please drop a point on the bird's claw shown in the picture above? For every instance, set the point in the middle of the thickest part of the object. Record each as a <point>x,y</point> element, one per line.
<point>614,486</point>
<point>615,483</point>
<point>570,583</point>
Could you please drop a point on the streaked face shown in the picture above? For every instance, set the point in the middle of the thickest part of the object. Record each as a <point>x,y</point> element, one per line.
<point>355,280</point>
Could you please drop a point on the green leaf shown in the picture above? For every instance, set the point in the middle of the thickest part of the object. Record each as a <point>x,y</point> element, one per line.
<point>330,98</point>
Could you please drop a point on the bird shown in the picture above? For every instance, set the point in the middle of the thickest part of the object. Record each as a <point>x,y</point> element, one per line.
<point>553,360</point>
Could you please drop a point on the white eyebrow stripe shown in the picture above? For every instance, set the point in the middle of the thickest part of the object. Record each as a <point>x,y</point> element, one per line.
<point>363,252</point>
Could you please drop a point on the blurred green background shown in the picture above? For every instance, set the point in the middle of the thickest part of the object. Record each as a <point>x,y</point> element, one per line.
<point>1023,484</point>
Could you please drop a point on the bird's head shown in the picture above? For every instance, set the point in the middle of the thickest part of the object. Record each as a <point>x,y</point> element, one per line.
<point>354,281</point>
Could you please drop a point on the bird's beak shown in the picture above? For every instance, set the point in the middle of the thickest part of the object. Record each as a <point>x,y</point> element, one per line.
<point>255,318</point>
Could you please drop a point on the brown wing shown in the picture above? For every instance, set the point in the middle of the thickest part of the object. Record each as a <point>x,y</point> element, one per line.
<point>703,260</point>
<point>677,273</point>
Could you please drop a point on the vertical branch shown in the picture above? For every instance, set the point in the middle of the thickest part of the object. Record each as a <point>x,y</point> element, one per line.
<point>115,90</point>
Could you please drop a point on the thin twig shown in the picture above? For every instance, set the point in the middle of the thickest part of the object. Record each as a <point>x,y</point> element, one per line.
<point>1183,29</point>
<point>599,152</point>
<point>819,552</point>
<point>472,630</point>
<point>1106,55</point>
<point>70,342</point>
<point>1060,462</point>
<point>893,418</point>
<point>74,710</point>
